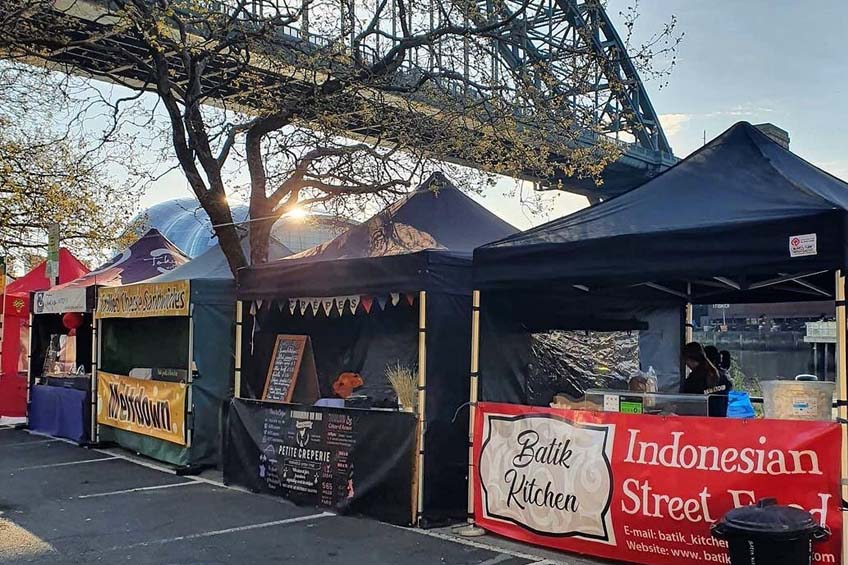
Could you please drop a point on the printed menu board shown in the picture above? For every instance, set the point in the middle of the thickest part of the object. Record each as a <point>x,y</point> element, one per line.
<point>358,461</point>
<point>306,455</point>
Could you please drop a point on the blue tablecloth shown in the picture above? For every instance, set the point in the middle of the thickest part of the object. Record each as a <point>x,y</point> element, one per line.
<point>60,412</point>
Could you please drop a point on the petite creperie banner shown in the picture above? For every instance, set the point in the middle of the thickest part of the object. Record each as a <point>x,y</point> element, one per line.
<point>645,489</point>
<point>144,300</point>
<point>147,407</point>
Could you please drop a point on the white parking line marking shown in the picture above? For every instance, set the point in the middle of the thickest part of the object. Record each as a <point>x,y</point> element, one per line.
<point>49,465</point>
<point>497,559</point>
<point>138,489</point>
<point>308,518</point>
<point>36,442</point>
<point>534,559</point>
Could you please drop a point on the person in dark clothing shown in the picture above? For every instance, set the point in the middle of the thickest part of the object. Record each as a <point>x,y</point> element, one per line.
<point>720,399</point>
<point>704,378</point>
<point>725,361</point>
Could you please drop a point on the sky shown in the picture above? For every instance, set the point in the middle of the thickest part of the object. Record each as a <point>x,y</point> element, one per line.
<point>778,61</point>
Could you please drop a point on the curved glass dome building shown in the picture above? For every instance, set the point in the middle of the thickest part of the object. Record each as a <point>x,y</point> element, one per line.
<point>185,223</point>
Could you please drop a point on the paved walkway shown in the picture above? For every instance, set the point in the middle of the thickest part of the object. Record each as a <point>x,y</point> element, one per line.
<point>63,504</point>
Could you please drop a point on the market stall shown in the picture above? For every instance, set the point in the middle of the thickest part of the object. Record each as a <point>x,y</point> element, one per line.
<point>175,333</point>
<point>14,354</point>
<point>351,367</point>
<point>633,475</point>
<point>63,338</point>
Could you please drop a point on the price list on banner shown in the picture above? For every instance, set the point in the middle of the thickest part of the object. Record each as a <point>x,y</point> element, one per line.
<point>305,454</point>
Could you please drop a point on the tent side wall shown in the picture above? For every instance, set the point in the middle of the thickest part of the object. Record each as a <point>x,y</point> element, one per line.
<point>445,442</point>
<point>213,313</point>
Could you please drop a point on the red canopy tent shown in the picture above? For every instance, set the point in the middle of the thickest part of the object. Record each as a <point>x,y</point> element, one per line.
<point>14,346</point>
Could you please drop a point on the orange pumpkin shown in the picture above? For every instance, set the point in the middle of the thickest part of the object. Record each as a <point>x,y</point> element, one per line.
<point>346,383</point>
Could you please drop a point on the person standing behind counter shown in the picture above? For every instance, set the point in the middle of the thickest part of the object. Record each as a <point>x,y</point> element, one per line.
<point>704,378</point>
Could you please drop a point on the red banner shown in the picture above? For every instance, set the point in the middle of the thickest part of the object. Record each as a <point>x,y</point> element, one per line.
<point>646,489</point>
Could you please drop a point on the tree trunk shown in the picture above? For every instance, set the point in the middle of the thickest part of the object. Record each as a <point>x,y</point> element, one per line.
<point>228,235</point>
<point>260,238</point>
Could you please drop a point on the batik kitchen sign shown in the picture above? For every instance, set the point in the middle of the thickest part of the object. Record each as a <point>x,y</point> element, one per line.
<point>645,489</point>
<point>147,407</point>
<point>144,300</point>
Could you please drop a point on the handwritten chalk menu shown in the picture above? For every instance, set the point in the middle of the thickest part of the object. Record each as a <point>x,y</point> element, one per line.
<point>306,455</point>
<point>292,355</point>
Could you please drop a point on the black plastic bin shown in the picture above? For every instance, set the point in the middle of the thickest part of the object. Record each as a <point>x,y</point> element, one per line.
<point>769,534</point>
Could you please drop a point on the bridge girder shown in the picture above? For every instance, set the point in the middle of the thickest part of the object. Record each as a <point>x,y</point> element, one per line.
<point>560,34</point>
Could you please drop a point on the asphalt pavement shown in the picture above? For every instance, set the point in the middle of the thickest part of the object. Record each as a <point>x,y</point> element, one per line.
<point>62,504</point>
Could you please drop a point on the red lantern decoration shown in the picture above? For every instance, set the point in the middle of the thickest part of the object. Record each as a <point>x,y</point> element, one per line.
<point>71,321</point>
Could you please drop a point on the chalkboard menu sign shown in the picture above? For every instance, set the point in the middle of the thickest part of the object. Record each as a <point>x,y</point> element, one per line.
<point>292,355</point>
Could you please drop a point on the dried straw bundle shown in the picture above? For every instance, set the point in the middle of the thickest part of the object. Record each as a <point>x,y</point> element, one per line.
<point>405,384</point>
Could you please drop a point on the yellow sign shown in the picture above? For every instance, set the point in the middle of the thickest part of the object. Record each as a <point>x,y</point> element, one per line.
<point>151,408</point>
<point>143,300</point>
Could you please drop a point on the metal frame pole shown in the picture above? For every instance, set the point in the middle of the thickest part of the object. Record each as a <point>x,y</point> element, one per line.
<point>92,403</point>
<point>842,387</point>
<point>97,344</point>
<point>189,423</point>
<point>688,331</point>
<point>418,509</point>
<point>29,367</point>
<point>471,529</point>
<point>237,368</point>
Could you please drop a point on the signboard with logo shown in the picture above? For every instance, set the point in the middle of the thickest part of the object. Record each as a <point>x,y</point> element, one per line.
<point>60,300</point>
<point>645,489</point>
<point>147,407</point>
<point>351,460</point>
<point>144,300</point>
<point>803,245</point>
<point>52,267</point>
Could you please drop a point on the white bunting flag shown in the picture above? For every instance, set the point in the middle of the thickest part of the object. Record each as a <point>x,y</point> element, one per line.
<point>259,304</point>
<point>304,303</point>
<point>354,303</point>
<point>328,306</point>
<point>395,298</point>
<point>292,305</point>
<point>253,308</point>
<point>340,300</point>
<point>316,305</point>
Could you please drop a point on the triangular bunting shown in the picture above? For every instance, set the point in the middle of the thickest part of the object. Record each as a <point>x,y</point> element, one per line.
<point>316,305</point>
<point>253,308</point>
<point>304,302</point>
<point>327,303</point>
<point>340,304</point>
<point>395,298</point>
<point>280,306</point>
<point>410,298</point>
<point>353,303</point>
<point>259,304</point>
<point>367,302</point>
<point>382,301</point>
<point>292,305</point>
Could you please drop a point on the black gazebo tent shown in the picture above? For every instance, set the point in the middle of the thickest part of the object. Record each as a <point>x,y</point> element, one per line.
<point>416,252</point>
<point>742,220</point>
